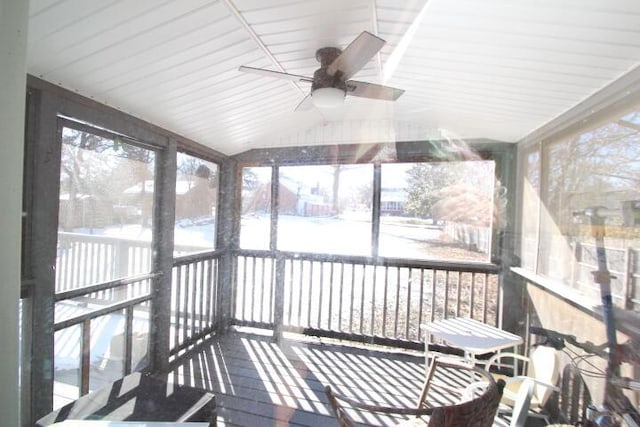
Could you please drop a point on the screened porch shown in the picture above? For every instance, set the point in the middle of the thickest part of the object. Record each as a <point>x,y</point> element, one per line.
<point>187,223</point>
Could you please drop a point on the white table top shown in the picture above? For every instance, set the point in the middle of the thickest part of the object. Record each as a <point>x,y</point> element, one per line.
<point>472,336</point>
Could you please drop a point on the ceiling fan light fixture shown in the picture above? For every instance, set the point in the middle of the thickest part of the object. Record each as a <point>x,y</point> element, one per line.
<point>328,97</point>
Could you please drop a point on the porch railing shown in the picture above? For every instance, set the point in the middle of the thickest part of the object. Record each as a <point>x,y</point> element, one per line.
<point>84,260</point>
<point>359,298</point>
<point>194,299</point>
<point>73,310</point>
<point>88,258</point>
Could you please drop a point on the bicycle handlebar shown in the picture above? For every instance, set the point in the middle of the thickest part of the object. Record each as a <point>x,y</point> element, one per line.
<point>557,340</point>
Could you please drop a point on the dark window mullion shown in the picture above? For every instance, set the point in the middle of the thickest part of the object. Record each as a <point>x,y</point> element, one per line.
<point>375,211</point>
<point>275,184</point>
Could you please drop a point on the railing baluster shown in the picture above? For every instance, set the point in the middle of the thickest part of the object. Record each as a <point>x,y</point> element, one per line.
<point>194,298</point>
<point>421,304</point>
<point>397,307</point>
<point>176,308</point>
<point>330,316</point>
<point>384,301</point>
<point>76,265</point>
<point>373,299</point>
<point>300,288</point>
<point>261,290</point>
<point>215,306</point>
<point>276,289</point>
<point>128,339</point>
<point>340,290</point>
<point>364,278</point>
<point>209,291</point>
<point>202,296</point>
<point>408,304</point>
<point>289,310</point>
<point>458,293</point>
<point>321,288</point>
<point>472,297</point>
<point>85,349</point>
<point>434,272</point>
<point>485,292</point>
<point>311,286</point>
<point>187,293</point>
<point>351,293</point>
<point>253,292</point>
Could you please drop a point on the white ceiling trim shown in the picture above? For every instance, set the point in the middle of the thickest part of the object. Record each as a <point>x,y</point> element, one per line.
<point>234,10</point>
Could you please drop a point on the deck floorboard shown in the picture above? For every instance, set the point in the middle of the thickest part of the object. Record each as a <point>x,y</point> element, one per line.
<point>258,382</point>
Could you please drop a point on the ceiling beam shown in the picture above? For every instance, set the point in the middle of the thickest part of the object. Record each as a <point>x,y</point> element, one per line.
<point>234,10</point>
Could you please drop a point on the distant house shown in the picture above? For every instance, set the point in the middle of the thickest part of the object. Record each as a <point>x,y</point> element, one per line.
<point>294,199</point>
<point>393,201</point>
<point>194,198</point>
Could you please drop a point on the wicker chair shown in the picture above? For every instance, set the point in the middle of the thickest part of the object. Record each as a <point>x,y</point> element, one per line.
<point>472,411</point>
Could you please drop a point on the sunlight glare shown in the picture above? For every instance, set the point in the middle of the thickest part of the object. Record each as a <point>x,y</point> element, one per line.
<point>396,56</point>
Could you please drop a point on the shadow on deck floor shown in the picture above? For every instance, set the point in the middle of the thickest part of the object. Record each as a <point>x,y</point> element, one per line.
<point>260,383</point>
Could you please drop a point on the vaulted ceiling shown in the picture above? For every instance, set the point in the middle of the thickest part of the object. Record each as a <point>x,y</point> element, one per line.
<point>495,69</point>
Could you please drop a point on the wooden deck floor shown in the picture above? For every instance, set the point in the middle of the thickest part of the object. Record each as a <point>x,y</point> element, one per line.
<point>260,383</point>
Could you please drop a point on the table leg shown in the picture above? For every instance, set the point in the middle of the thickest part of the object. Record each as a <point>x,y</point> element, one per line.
<point>427,341</point>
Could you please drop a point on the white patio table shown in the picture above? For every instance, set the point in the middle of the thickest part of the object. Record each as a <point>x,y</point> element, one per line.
<point>471,336</point>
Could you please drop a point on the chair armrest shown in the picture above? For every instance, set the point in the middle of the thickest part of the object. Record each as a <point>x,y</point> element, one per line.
<point>533,380</point>
<point>498,356</point>
<point>522,378</point>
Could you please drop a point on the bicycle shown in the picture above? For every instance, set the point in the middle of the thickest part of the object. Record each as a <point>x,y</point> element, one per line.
<point>616,406</point>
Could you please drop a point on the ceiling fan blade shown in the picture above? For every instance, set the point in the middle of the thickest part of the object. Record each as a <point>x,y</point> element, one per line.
<point>374,91</point>
<point>305,104</point>
<point>356,55</point>
<point>276,74</point>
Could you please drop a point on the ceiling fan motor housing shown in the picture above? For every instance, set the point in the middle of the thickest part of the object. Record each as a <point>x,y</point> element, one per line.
<point>322,79</point>
<point>326,55</point>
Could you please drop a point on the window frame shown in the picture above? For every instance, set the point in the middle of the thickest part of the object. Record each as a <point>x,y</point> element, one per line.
<point>377,154</point>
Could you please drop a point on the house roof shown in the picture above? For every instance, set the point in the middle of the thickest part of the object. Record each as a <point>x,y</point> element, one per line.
<point>494,69</point>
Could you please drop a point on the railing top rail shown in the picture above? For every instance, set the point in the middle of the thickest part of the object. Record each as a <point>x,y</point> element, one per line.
<point>200,256</point>
<point>100,312</point>
<point>74,293</point>
<point>379,261</point>
<point>103,238</point>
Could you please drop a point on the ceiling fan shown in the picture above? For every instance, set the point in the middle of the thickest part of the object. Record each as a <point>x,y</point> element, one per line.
<point>330,83</point>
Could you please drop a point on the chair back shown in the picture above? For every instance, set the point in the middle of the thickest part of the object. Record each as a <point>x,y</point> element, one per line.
<point>479,411</point>
<point>339,411</point>
<point>476,410</point>
<point>544,366</point>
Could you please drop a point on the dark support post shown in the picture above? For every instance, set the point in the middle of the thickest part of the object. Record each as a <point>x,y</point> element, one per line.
<point>275,203</point>
<point>375,211</point>
<point>278,297</point>
<point>41,194</point>
<point>228,217</point>
<point>164,209</point>
<point>278,305</point>
<point>510,314</point>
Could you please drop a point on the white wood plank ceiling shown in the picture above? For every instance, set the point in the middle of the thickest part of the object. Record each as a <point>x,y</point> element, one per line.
<point>494,69</point>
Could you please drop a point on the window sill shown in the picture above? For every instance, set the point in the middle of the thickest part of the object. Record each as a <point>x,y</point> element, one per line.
<point>627,321</point>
